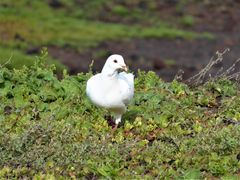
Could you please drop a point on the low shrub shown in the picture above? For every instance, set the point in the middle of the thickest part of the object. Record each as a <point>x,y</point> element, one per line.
<point>49,129</point>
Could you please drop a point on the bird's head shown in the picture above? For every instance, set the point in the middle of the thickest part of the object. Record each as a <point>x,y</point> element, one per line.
<point>115,63</point>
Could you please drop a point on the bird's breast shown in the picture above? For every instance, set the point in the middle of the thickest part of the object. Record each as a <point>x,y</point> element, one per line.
<point>109,92</point>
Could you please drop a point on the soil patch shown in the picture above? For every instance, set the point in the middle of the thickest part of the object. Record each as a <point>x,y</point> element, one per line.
<point>165,57</point>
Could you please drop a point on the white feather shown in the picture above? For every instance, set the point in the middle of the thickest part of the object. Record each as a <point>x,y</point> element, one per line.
<point>110,89</point>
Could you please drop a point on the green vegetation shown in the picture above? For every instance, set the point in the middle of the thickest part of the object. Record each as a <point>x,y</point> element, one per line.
<point>25,24</point>
<point>188,20</point>
<point>55,28</point>
<point>17,59</point>
<point>120,10</point>
<point>49,129</point>
<point>170,62</point>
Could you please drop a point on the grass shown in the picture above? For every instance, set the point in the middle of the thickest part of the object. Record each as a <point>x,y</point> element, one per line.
<point>188,21</point>
<point>49,129</point>
<point>16,59</point>
<point>27,24</point>
<point>78,34</point>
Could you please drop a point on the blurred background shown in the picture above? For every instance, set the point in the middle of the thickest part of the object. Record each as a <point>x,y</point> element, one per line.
<point>163,36</point>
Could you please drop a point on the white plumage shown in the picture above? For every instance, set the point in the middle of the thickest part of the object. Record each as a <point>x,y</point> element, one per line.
<point>111,88</point>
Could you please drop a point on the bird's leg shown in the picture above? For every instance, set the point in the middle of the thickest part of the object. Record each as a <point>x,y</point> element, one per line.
<point>118,118</point>
<point>117,121</point>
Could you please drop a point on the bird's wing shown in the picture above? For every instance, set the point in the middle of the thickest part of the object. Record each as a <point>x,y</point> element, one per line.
<point>93,89</point>
<point>90,85</point>
<point>127,83</point>
<point>129,77</point>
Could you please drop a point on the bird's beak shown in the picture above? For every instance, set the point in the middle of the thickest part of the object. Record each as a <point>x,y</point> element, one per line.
<point>124,67</point>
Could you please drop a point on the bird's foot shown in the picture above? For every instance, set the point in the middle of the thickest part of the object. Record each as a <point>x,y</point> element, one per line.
<point>114,128</point>
<point>112,123</point>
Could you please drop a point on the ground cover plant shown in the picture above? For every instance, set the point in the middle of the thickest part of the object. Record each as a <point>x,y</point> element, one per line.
<point>49,128</point>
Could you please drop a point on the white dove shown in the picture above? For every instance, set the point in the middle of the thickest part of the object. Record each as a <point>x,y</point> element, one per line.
<point>112,89</point>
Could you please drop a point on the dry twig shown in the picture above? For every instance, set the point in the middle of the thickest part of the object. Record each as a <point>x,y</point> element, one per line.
<point>201,77</point>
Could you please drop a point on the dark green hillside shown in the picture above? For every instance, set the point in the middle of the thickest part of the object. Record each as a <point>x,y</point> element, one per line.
<point>49,129</point>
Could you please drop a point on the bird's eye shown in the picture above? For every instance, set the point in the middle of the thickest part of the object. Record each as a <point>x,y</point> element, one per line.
<point>115,61</point>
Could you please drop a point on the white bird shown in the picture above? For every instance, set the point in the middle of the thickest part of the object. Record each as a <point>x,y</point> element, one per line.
<point>112,89</point>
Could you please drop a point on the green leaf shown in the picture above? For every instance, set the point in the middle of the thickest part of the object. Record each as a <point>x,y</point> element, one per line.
<point>192,174</point>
